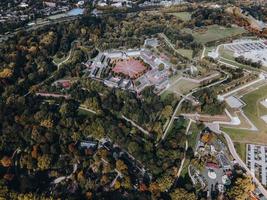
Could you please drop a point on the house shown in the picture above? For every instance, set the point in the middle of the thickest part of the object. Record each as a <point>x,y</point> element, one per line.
<point>212,165</point>
<point>88,144</point>
<point>50,4</point>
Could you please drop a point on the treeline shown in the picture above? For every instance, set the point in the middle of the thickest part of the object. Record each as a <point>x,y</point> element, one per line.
<point>207,16</point>
<point>250,62</point>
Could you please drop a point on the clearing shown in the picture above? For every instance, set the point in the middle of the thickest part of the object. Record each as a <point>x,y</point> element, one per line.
<point>184,16</point>
<point>253,110</point>
<point>214,32</point>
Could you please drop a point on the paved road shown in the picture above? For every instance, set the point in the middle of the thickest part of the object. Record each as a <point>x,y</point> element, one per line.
<point>242,164</point>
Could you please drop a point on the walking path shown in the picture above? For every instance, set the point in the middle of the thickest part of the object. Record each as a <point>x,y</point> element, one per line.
<point>62,62</point>
<point>203,52</point>
<point>136,125</point>
<point>186,147</point>
<point>82,107</point>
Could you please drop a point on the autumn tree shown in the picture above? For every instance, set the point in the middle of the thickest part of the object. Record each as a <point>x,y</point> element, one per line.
<point>241,188</point>
<point>181,194</point>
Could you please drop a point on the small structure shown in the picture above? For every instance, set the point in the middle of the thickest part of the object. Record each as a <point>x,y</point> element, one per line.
<point>264,103</point>
<point>226,180</point>
<point>234,102</point>
<point>212,165</point>
<point>264,118</point>
<point>153,42</point>
<point>88,144</point>
<point>212,174</point>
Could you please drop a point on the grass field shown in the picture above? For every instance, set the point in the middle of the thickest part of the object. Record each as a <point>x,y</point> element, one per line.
<point>183,86</point>
<point>184,16</point>
<point>192,140</point>
<point>186,53</point>
<point>215,32</point>
<point>241,150</point>
<point>253,110</point>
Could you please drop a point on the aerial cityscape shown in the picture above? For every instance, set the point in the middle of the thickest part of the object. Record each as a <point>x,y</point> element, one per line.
<point>133,99</point>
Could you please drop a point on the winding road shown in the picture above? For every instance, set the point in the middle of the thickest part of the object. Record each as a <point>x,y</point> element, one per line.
<point>242,164</point>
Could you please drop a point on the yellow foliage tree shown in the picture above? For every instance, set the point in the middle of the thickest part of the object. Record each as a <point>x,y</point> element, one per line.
<point>6,161</point>
<point>242,188</point>
<point>44,162</point>
<point>121,166</point>
<point>117,185</point>
<point>6,73</point>
<point>48,123</point>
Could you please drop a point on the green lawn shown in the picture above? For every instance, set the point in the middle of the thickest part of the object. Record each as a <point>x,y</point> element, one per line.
<point>241,150</point>
<point>183,86</point>
<point>253,110</point>
<point>215,32</point>
<point>184,16</point>
<point>195,130</point>
<point>188,53</point>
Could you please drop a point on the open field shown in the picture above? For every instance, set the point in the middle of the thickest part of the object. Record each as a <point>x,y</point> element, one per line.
<point>188,53</point>
<point>246,136</point>
<point>253,110</point>
<point>215,32</point>
<point>243,121</point>
<point>195,130</point>
<point>184,16</point>
<point>183,86</point>
<point>241,150</point>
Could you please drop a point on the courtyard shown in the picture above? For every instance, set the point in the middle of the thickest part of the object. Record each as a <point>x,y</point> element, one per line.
<point>130,67</point>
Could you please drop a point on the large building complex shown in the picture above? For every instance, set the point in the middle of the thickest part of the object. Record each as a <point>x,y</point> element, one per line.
<point>133,69</point>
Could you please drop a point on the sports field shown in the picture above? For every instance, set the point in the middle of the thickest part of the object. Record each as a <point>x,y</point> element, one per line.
<point>184,16</point>
<point>214,32</point>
